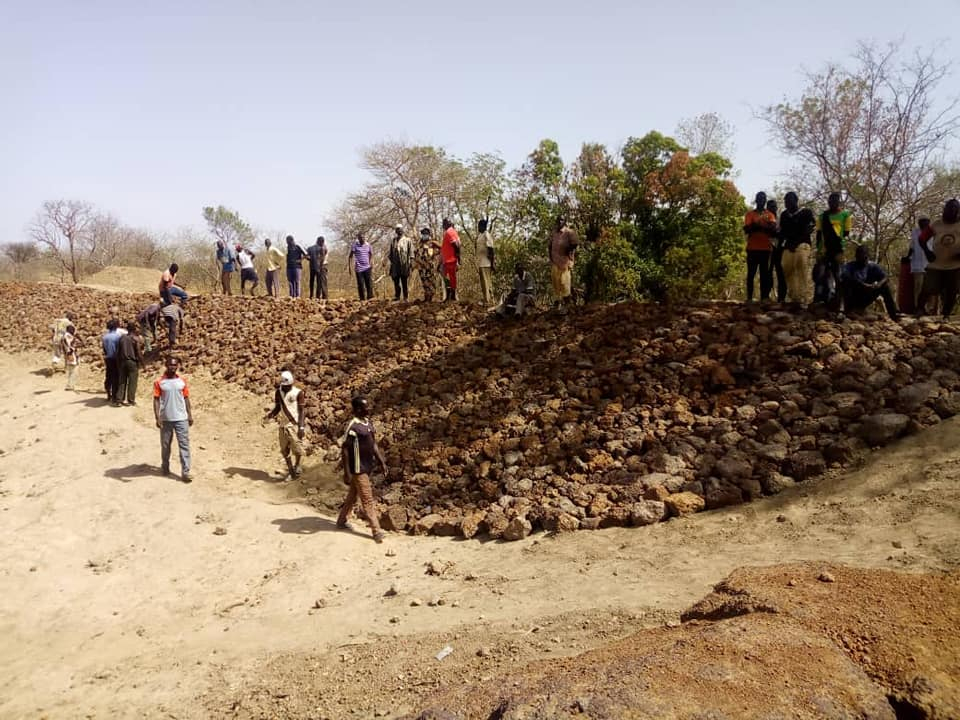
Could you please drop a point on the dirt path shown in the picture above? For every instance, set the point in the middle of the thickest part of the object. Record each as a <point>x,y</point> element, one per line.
<point>119,600</point>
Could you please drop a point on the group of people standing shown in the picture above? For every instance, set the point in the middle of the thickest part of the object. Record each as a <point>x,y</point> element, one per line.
<point>783,248</point>
<point>228,259</point>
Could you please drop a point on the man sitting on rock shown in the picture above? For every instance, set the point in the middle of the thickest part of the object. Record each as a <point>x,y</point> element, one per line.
<point>862,282</point>
<point>520,298</point>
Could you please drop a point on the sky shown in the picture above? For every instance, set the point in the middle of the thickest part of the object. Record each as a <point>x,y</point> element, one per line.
<point>151,111</point>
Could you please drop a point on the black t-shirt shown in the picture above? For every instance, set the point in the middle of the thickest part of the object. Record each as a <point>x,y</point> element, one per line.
<point>295,255</point>
<point>359,442</point>
<point>796,228</point>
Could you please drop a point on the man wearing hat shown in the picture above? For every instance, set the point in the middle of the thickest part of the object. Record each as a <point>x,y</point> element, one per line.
<point>401,261</point>
<point>288,408</point>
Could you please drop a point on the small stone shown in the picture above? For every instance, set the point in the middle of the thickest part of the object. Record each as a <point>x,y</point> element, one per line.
<point>826,577</point>
<point>781,518</point>
<point>391,553</point>
<point>791,583</point>
<point>897,544</point>
<point>416,602</point>
<point>483,652</point>
<point>219,530</point>
<point>394,620</point>
<point>319,603</point>
<point>393,590</point>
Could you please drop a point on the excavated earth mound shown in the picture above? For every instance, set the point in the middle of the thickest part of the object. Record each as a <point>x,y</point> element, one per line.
<point>797,641</point>
<point>611,415</point>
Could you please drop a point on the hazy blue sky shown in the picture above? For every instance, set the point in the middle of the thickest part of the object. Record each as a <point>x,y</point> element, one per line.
<point>151,113</point>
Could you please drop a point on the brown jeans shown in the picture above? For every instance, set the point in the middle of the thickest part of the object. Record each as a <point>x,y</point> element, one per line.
<point>360,487</point>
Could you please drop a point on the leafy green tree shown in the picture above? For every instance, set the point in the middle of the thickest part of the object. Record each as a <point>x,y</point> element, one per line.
<point>227,225</point>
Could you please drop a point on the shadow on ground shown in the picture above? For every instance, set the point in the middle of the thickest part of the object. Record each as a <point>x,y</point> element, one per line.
<point>131,472</point>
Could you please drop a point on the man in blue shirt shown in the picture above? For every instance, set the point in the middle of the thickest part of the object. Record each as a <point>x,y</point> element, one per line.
<point>226,257</point>
<point>111,361</point>
<point>862,282</point>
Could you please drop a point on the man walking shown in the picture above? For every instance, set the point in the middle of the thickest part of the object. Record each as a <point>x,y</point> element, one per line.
<point>295,255</point>
<point>317,255</point>
<point>288,407</point>
<point>359,451</point>
<point>942,276</point>
<point>131,362</point>
<point>450,255</point>
<point>796,227</point>
<point>834,226</point>
<point>248,273</point>
<point>562,249</point>
<point>226,257</point>
<point>760,227</point>
<point>485,260</point>
<point>171,410</point>
<point>110,343</point>
<point>71,355</point>
<point>362,255</point>
<point>401,261</point>
<point>428,253</point>
<point>275,260</point>
<point>59,328</point>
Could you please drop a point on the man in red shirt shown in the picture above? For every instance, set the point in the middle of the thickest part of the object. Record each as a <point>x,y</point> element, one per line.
<point>760,227</point>
<point>450,255</point>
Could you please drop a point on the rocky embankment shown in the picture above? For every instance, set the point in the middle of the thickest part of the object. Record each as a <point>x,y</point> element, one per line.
<point>614,415</point>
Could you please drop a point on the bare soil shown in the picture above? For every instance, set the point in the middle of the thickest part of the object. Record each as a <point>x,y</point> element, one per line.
<point>127,594</point>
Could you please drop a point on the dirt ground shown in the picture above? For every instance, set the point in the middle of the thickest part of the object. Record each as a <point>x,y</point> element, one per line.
<point>127,594</point>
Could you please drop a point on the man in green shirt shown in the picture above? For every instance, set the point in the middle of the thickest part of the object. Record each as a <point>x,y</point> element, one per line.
<point>834,227</point>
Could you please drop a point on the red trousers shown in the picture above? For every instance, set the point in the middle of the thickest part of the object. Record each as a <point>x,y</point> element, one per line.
<point>450,270</point>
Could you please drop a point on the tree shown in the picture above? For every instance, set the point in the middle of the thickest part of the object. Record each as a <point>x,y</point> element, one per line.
<point>876,130</point>
<point>706,133</point>
<point>227,225</point>
<point>20,253</point>
<point>63,227</point>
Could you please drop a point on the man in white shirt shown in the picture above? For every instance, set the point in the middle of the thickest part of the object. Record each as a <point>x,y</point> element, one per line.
<point>248,272</point>
<point>485,260</point>
<point>918,259</point>
<point>288,408</point>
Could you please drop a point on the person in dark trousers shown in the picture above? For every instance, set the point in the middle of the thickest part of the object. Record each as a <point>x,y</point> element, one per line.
<point>295,255</point>
<point>111,364</point>
<point>148,319</point>
<point>776,257</point>
<point>362,255</point>
<point>862,282</point>
<point>401,262</point>
<point>174,416</point>
<point>942,276</point>
<point>359,453</point>
<point>317,256</point>
<point>760,227</point>
<point>288,408</point>
<point>834,227</point>
<point>131,362</point>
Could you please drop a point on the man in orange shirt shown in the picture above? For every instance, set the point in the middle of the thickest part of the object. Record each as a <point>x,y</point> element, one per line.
<point>450,256</point>
<point>760,227</point>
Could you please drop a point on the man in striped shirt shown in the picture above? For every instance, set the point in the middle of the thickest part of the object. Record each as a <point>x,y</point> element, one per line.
<point>362,255</point>
<point>360,451</point>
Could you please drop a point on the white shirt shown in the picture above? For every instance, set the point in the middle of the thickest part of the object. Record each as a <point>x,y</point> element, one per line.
<point>246,262</point>
<point>918,261</point>
<point>484,241</point>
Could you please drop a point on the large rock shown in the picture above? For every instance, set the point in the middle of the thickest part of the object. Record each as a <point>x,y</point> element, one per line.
<point>804,464</point>
<point>882,428</point>
<point>684,503</point>
<point>647,512</point>
<point>516,529</point>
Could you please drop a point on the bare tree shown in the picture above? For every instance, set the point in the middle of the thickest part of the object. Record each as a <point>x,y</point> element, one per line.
<point>64,227</point>
<point>876,130</point>
<point>20,253</point>
<point>706,133</point>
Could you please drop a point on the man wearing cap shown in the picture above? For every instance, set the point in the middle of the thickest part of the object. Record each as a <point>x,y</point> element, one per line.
<point>360,451</point>
<point>401,261</point>
<point>288,408</point>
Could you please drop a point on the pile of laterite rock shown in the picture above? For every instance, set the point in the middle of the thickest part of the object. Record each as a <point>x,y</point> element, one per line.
<point>611,415</point>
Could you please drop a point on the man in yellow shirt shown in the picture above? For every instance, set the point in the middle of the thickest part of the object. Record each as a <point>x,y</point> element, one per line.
<point>275,260</point>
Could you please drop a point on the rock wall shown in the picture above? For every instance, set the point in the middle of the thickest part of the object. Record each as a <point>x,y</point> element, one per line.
<point>612,415</point>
